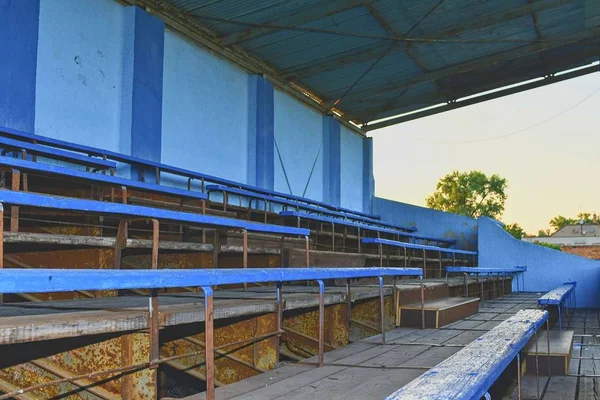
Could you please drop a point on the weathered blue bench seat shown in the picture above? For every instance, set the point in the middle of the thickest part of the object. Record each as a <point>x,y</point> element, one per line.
<point>469,374</point>
<point>56,154</point>
<point>127,210</point>
<point>74,174</point>
<point>397,229</point>
<point>298,205</point>
<point>414,246</point>
<point>156,168</point>
<point>519,270</point>
<point>561,297</point>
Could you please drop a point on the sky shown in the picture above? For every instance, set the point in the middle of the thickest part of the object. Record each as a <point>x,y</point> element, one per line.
<point>552,169</point>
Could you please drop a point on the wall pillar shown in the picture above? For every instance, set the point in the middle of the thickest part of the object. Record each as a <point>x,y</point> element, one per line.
<point>368,179</point>
<point>261,131</point>
<point>141,133</point>
<point>19,26</point>
<point>332,164</point>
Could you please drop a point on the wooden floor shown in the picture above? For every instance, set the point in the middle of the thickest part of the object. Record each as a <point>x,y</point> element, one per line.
<point>368,370</point>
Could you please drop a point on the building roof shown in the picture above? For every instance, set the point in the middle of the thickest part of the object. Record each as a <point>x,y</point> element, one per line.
<point>373,59</point>
<point>578,230</point>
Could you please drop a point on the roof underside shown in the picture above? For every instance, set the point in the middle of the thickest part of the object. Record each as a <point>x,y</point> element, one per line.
<point>373,59</point>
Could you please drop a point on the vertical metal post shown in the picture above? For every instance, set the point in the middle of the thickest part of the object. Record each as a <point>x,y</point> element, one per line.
<point>209,342</point>
<point>466,285</point>
<point>216,248</point>
<point>424,264</point>
<point>348,303</point>
<point>279,305</point>
<point>395,299</point>
<point>537,366</point>
<point>15,185</point>
<point>548,338</point>
<point>519,375</point>
<point>481,287</point>
<point>381,310</point>
<point>307,251</point>
<point>321,323</point>
<point>245,253</point>
<point>332,236</point>
<point>441,267</point>
<point>380,254</point>
<point>422,304</point>
<point>559,317</point>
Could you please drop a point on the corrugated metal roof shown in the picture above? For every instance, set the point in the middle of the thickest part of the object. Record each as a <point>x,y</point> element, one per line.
<point>349,54</point>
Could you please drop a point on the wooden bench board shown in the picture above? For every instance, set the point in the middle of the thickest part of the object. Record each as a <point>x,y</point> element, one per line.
<point>440,304</point>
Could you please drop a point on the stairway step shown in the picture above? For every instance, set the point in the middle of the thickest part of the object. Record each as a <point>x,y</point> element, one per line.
<point>561,345</point>
<point>438,312</point>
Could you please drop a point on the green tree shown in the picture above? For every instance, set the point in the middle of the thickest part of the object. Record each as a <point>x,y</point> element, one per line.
<point>470,193</point>
<point>560,222</point>
<point>548,245</point>
<point>544,233</point>
<point>515,230</point>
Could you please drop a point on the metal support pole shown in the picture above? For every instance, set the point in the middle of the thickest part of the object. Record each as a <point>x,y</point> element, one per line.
<point>466,285</point>
<point>279,306</point>
<point>424,264</point>
<point>519,375</point>
<point>380,255</point>
<point>381,310</point>
<point>441,267</point>
<point>537,366</point>
<point>245,253</point>
<point>395,299</point>
<point>348,303</point>
<point>1,245</point>
<point>481,286</point>
<point>422,303</point>
<point>548,338</point>
<point>209,342</point>
<point>307,243</point>
<point>321,323</point>
<point>559,317</point>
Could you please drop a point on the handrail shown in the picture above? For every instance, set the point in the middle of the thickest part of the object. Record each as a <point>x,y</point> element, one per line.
<point>487,271</point>
<point>131,160</point>
<point>14,280</point>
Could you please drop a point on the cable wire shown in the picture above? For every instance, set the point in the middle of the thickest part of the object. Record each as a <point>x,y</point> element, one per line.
<point>514,132</point>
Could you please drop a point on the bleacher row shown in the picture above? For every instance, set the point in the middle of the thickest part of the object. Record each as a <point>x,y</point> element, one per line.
<point>27,157</point>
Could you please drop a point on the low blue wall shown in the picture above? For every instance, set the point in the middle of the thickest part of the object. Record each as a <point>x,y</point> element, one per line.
<point>546,268</point>
<point>429,222</point>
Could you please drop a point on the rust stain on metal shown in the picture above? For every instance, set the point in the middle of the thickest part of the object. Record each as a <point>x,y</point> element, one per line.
<point>302,329</point>
<point>366,316</point>
<point>233,362</point>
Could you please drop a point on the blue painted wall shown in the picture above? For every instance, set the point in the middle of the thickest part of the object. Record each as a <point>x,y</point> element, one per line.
<point>205,111</point>
<point>80,71</point>
<point>261,142</point>
<point>332,166</point>
<point>352,170</point>
<point>430,222</point>
<point>19,21</point>
<point>299,137</point>
<point>368,179</point>
<point>546,268</point>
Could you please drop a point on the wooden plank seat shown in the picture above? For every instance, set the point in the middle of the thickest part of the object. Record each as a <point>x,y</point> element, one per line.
<point>562,297</point>
<point>470,373</point>
<point>74,174</point>
<point>438,312</point>
<point>127,212</point>
<point>415,246</point>
<point>512,271</point>
<point>156,168</point>
<point>557,358</point>
<point>300,205</point>
<point>57,154</point>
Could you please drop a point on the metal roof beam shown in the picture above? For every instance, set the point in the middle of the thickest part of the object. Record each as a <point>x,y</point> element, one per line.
<point>393,85</point>
<point>479,99</point>
<point>450,94</point>
<point>300,17</point>
<point>370,52</point>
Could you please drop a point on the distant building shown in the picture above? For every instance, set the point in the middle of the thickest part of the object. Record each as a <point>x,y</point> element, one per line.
<point>580,239</point>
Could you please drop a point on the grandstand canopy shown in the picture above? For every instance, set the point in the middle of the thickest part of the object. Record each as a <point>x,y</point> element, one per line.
<point>373,59</point>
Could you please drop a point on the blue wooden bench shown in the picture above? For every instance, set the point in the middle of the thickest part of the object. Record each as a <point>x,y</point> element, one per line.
<point>156,168</point>
<point>127,212</point>
<point>414,246</point>
<point>563,297</point>
<point>477,271</point>
<point>56,154</point>
<point>470,373</point>
<point>55,170</point>
<point>64,280</point>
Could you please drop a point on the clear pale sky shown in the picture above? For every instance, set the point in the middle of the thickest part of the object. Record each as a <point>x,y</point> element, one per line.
<point>551,169</point>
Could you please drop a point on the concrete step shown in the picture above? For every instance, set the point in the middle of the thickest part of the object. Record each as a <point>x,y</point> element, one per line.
<point>438,312</point>
<point>561,345</point>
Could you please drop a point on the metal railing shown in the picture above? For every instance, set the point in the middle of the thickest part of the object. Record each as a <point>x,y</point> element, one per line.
<point>62,280</point>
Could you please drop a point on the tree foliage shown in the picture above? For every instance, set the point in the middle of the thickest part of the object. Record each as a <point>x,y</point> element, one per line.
<point>560,222</point>
<point>515,230</point>
<point>548,245</point>
<point>544,233</point>
<point>470,193</point>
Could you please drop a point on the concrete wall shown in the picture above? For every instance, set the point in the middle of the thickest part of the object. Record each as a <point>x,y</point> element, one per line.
<point>430,222</point>
<point>546,268</point>
<point>97,73</point>
<point>299,138</point>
